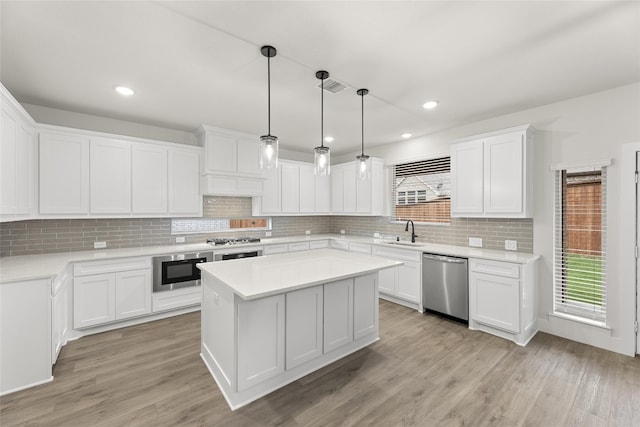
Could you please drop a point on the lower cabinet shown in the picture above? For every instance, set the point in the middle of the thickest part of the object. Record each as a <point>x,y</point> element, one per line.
<point>403,283</point>
<point>304,325</point>
<point>112,295</point>
<point>338,314</point>
<point>60,312</point>
<point>502,299</point>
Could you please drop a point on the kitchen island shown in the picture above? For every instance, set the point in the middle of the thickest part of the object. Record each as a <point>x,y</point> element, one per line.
<point>270,320</point>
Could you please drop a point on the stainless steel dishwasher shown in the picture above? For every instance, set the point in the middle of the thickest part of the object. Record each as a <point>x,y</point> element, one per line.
<point>445,285</point>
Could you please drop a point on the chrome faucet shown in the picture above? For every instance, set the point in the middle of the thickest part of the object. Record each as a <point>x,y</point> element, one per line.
<point>413,231</point>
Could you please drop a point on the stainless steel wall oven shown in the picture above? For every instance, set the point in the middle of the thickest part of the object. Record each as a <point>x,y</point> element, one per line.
<point>178,270</point>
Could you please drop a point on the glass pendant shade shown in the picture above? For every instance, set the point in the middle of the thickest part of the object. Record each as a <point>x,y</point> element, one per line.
<point>364,167</point>
<point>322,161</point>
<point>269,152</point>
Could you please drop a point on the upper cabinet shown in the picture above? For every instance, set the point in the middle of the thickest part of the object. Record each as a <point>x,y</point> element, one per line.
<point>231,164</point>
<point>85,173</point>
<point>492,174</point>
<point>351,196</point>
<point>17,160</point>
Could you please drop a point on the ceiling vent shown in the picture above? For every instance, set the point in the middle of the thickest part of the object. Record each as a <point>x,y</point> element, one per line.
<point>332,86</point>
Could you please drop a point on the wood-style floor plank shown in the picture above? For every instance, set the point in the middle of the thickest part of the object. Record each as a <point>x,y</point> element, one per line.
<point>424,371</point>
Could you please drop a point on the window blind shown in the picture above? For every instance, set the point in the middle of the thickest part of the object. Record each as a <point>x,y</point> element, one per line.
<point>421,191</point>
<point>580,285</point>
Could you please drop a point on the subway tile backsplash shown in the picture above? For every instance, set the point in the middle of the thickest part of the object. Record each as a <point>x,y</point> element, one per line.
<point>54,235</point>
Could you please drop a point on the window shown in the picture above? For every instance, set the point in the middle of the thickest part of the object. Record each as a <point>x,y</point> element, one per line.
<point>421,191</point>
<point>580,244</point>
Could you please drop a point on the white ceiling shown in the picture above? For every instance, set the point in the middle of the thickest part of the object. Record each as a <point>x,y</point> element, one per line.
<point>199,62</point>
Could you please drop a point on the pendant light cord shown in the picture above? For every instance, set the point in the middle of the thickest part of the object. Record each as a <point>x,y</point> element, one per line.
<point>269,95</point>
<point>322,112</point>
<point>362,109</point>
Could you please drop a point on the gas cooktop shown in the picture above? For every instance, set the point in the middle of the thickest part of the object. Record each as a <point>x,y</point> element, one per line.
<point>233,240</point>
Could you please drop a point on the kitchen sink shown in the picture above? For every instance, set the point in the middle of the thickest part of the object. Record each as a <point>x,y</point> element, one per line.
<point>405,243</point>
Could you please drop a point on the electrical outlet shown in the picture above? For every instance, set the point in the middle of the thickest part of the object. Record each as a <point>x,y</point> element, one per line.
<point>307,232</point>
<point>180,239</point>
<point>342,232</point>
<point>267,234</point>
<point>475,242</point>
<point>511,245</point>
<point>99,245</point>
<point>376,235</point>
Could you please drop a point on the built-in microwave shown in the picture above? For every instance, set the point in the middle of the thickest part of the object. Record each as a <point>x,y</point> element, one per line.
<point>178,270</point>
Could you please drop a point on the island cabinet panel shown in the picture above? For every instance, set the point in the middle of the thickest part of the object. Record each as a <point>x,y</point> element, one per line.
<point>304,325</point>
<point>338,314</point>
<point>365,306</point>
<point>260,340</point>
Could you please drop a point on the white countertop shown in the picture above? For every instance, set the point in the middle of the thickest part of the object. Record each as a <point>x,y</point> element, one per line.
<point>260,277</point>
<point>30,267</point>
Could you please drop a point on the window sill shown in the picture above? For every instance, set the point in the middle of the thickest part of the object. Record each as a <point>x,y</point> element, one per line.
<point>578,319</point>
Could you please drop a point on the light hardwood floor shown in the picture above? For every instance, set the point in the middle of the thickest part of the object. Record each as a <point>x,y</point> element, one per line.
<point>424,371</point>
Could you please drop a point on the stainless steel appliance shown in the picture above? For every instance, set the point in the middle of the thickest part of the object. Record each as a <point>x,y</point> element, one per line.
<point>445,285</point>
<point>178,270</point>
<point>237,254</point>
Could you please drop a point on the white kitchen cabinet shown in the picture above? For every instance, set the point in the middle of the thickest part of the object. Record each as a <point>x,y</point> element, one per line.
<point>318,244</point>
<point>64,173</point>
<point>362,248</point>
<point>106,291</point>
<point>351,196</point>
<point>298,246</point>
<point>304,317</point>
<point>275,249</point>
<point>270,202</point>
<point>149,179</point>
<point>492,174</point>
<point>307,189</point>
<point>365,305</point>
<point>339,244</point>
<point>176,298</point>
<point>338,317</point>
<point>17,160</point>
<point>133,293</point>
<point>261,341</point>
<point>25,334</point>
<point>322,187</point>
<point>502,299</point>
<point>110,176</point>
<point>231,164</point>
<point>337,188</point>
<point>60,312</point>
<point>402,284</point>
<point>290,189</point>
<point>184,182</point>
<point>349,189</point>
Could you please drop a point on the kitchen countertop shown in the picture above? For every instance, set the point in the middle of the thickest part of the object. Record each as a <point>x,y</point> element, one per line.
<point>30,267</point>
<point>260,277</point>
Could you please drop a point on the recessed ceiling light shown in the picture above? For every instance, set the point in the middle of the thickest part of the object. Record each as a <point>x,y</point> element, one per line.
<point>124,91</point>
<point>430,105</point>
<point>406,135</point>
<point>328,139</point>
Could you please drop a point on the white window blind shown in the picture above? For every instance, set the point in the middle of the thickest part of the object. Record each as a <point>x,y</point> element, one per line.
<point>580,285</point>
<point>421,191</point>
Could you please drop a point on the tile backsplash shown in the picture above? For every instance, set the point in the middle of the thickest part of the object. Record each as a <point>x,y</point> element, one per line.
<point>63,235</point>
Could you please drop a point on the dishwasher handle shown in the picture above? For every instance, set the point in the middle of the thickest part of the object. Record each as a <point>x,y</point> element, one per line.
<point>445,258</point>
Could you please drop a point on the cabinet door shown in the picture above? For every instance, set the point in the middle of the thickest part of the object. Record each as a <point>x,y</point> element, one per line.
<point>25,169</point>
<point>337,189</point>
<point>322,193</point>
<point>149,179</point>
<point>307,188</point>
<point>363,193</point>
<point>290,188</point>
<point>338,314</point>
<point>467,178</point>
<point>304,326</point>
<point>270,201</point>
<point>64,174</point>
<point>133,293</point>
<point>93,300</point>
<point>494,301</point>
<point>408,281</point>
<point>184,182</point>
<point>110,171</point>
<point>221,153</point>
<point>504,173</point>
<point>365,306</point>
<point>387,281</point>
<point>8,167</point>
<point>261,352</point>
<point>349,185</point>
<point>248,156</point>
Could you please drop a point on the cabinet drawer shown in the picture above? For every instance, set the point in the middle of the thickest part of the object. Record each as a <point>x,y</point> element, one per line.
<point>399,254</point>
<point>177,298</point>
<point>495,268</point>
<point>111,266</point>
<point>362,248</point>
<point>300,246</point>
<point>319,244</point>
<point>275,249</point>
<point>340,244</point>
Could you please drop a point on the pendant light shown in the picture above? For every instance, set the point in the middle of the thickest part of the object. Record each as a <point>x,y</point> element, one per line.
<point>363,164</point>
<point>268,143</point>
<point>322,156</point>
